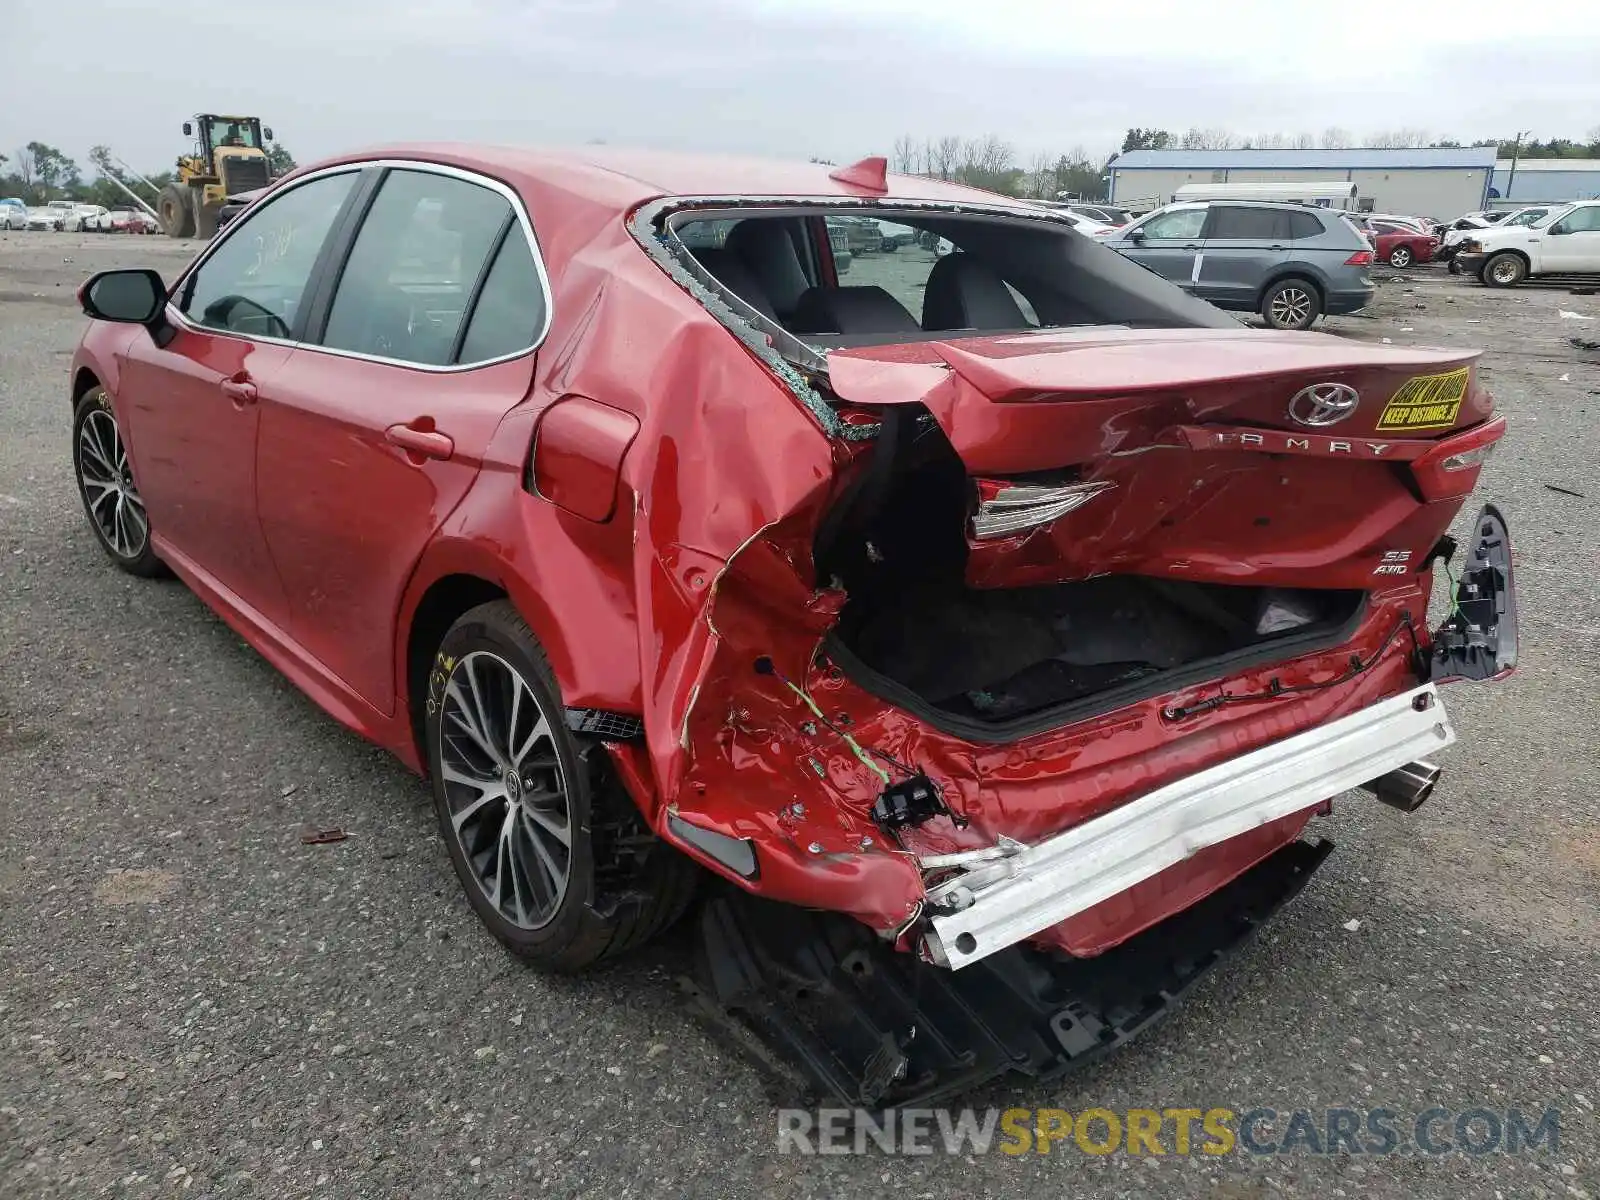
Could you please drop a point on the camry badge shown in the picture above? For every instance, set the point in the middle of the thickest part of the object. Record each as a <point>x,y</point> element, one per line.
<point>1324,403</point>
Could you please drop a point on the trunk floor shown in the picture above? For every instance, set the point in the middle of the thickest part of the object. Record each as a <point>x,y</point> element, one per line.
<point>994,655</point>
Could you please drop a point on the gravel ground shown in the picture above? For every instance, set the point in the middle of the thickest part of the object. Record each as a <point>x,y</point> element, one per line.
<point>194,1001</point>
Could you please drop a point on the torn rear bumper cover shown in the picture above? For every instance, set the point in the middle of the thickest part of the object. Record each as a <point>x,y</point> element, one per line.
<point>1011,892</point>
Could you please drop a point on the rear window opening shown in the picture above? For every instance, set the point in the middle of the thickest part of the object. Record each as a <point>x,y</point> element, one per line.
<point>995,664</point>
<point>869,274</point>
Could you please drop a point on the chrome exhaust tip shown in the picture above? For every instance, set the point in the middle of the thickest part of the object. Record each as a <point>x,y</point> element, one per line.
<point>1407,787</point>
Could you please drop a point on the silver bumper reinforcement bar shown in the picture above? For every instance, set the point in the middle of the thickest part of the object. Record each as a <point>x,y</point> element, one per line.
<point>1011,891</point>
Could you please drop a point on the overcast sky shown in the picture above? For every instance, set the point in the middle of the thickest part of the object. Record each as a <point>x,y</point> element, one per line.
<point>791,78</point>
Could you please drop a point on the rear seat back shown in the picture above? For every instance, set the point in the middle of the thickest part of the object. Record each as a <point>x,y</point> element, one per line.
<point>732,272</point>
<point>851,310</point>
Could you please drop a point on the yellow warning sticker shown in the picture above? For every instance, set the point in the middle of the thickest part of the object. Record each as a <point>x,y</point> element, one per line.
<point>1426,402</point>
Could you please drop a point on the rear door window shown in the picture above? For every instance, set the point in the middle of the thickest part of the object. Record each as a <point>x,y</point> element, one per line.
<point>1247,224</point>
<point>509,312</point>
<point>415,266</point>
<point>1303,226</point>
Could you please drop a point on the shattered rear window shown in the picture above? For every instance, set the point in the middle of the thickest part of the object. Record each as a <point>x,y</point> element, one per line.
<point>863,275</point>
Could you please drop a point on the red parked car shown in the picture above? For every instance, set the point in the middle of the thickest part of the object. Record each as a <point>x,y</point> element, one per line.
<point>1400,246</point>
<point>992,627</point>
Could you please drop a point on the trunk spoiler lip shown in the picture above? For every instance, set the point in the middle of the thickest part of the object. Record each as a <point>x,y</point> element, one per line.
<point>1105,366</point>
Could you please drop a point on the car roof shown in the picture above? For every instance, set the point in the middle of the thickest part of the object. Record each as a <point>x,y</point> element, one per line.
<point>623,177</point>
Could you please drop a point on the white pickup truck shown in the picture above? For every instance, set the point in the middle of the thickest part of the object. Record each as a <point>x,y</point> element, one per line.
<point>1565,241</point>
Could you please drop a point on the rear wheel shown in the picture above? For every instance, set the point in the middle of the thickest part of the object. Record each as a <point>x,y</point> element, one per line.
<point>1291,304</point>
<point>1505,270</point>
<point>551,851</point>
<point>1400,256</point>
<point>105,482</point>
<point>177,218</point>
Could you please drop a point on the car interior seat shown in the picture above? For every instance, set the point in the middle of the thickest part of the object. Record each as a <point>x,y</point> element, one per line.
<point>851,310</point>
<point>964,292</point>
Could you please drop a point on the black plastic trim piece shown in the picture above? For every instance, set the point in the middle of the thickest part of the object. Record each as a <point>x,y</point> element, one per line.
<point>838,1014</point>
<point>1479,639</point>
<point>606,725</point>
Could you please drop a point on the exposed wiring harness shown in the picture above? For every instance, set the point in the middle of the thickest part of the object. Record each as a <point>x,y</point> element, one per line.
<point>764,666</point>
<point>1276,687</point>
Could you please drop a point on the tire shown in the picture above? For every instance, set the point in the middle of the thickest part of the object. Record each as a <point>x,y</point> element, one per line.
<point>620,886</point>
<point>1400,257</point>
<point>1504,270</point>
<point>1292,303</point>
<point>110,497</point>
<point>177,217</point>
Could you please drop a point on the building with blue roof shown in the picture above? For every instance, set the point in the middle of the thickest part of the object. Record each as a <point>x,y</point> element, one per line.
<point>1545,181</point>
<point>1424,182</point>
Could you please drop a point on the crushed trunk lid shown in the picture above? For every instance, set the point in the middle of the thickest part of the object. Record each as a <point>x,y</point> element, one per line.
<point>1214,455</point>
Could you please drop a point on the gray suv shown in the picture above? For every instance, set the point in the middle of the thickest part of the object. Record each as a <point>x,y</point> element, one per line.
<point>1289,262</point>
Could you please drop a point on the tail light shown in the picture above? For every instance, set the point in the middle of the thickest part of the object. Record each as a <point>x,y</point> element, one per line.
<point>1361,258</point>
<point>1450,468</point>
<point>1007,508</point>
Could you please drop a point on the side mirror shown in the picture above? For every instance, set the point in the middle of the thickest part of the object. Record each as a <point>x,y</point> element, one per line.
<point>266,132</point>
<point>129,297</point>
<point>188,129</point>
<point>1560,227</point>
<point>1134,235</point>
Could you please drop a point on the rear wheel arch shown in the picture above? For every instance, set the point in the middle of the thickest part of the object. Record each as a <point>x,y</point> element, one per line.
<point>445,601</point>
<point>1314,301</point>
<point>1299,274</point>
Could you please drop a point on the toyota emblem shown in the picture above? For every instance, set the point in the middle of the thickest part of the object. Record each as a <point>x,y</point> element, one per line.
<point>1324,403</point>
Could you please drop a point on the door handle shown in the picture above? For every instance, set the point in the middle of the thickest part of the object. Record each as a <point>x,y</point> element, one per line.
<point>1274,247</point>
<point>420,443</point>
<point>240,391</point>
<point>1192,246</point>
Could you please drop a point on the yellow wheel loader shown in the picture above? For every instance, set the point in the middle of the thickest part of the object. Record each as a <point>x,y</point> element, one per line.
<point>230,156</point>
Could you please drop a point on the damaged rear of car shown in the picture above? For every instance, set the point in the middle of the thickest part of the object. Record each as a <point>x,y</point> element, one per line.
<point>1104,597</point>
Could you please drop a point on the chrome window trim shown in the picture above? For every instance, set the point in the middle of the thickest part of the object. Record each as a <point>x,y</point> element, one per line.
<point>509,193</point>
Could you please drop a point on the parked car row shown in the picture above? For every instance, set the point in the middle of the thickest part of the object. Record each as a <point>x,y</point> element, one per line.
<point>1399,241</point>
<point>66,216</point>
<point>1562,239</point>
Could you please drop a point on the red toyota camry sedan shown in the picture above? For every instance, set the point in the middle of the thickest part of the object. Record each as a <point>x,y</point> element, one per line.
<point>995,604</point>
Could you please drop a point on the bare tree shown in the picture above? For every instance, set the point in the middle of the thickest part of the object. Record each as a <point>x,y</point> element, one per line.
<point>1196,138</point>
<point>995,154</point>
<point>1305,141</point>
<point>1334,138</point>
<point>1208,139</point>
<point>1270,141</point>
<point>946,153</point>
<point>1042,177</point>
<point>25,171</point>
<point>1398,139</point>
<point>905,154</point>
